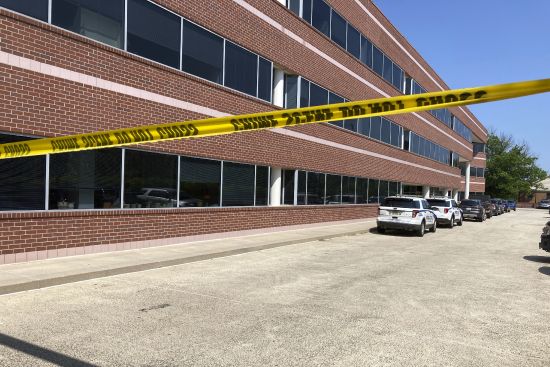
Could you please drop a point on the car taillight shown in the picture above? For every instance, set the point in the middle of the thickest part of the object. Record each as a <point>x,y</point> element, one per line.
<point>415,212</point>
<point>446,210</point>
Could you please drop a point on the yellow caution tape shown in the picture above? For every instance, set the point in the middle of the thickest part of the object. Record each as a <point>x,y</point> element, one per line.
<point>268,120</point>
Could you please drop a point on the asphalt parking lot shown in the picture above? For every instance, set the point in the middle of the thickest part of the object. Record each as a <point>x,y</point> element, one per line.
<point>477,295</point>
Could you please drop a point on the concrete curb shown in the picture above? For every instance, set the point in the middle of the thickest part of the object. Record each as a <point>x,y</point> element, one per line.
<point>33,284</point>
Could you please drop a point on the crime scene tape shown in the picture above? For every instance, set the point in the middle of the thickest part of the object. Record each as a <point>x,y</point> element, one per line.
<point>274,119</point>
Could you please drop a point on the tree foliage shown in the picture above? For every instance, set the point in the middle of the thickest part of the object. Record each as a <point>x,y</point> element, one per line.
<point>511,168</point>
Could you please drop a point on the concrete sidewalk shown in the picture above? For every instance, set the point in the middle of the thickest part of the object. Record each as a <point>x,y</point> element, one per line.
<point>45,273</point>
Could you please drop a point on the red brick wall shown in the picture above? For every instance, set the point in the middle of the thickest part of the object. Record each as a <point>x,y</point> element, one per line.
<point>39,231</point>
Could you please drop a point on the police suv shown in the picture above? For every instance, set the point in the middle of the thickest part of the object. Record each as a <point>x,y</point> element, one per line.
<point>406,213</point>
<point>446,211</point>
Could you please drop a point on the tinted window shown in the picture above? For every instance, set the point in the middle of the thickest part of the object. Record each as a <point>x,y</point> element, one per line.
<point>393,188</point>
<point>362,191</point>
<point>386,131</point>
<point>375,127</point>
<point>317,95</point>
<point>377,60</point>
<point>334,189</point>
<point>363,126</point>
<point>354,42</point>
<point>388,69</point>
<point>85,180</point>
<point>199,182</point>
<point>294,6</point>
<point>470,202</point>
<point>373,191</point>
<point>397,77</point>
<point>264,79</point>
<point>366,52</point>
<point>288,187</point>
<point>383,190</point>
<point>33,8</point>
<point>401,203</point>
<point>438,202</point>
<point>351,125</point>
<point>315,188</point>
<point>304,93</point>
<point>23,180</point>
<point>395,135</point>
<point>348,190</point>
<point>262,185</point>
<point>334,98</point>
<point>202,53</point>
<point>99,20</point>
<point>145,171</point>
<point>320,18</point>
<point>291,91</point>
<point>306,10</point>
<point>241,68</point>
<point>338,29</point>
<point>301,198</point>
<point>153,32</point>
<point>238,184</point>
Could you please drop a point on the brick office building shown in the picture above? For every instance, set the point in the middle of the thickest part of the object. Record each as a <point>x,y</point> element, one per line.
<point>74,66</point>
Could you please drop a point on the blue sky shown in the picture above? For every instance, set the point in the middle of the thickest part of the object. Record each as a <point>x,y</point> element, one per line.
<point>481,42</point>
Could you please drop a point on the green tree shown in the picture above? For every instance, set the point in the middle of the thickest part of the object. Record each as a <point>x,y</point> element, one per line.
<point>511,168</point>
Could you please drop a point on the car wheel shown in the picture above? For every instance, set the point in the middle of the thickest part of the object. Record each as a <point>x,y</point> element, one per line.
<point>381,230</point>
<point>422,229</point>
<point>452,224</point>
<point>434,227</point>
<point>461,220</point>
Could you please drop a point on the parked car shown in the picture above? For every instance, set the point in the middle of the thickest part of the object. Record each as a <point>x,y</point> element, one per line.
<point>545,238</point>
<point>406,213</point>
<point>490,208</point>
<point>446,211</point>
<point>543,204</point>
<point>512,205</point>
<point>473,209</point>
<point>498,205</point>
<point>505,204</point>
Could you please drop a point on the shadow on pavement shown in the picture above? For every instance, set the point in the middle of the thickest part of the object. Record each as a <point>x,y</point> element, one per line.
<point>45,354</point>
<point>394,232</point>
<point>538,259</point>
<point>545,270</point>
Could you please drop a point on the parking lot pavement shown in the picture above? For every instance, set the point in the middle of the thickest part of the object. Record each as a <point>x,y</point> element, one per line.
<point>476,295</point>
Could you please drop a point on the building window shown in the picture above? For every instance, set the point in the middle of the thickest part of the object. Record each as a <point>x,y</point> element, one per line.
<point>366,51</point>
<point>398,77</point>
<point>33,8</point>
<point>320,17</point>
<point>306,10</point>
<point>202,53</point>
<point>362,190</point>
<point>291,91</point>
<point>354,41</point>
<point>302,188</point>
<point>294,6</point>
<point>383,190</point>
<point>288,187</point>
<point>317,95</point>
<point>315,188</point>
<point>262,185</point>
<point>388,69</point>
<point>23,180</point>
<point>199,182</point>
<point>363,126</point>
<point>238,184</point>
<point>102,21</point>
<point>334,189</point>
<point>386,131</point>
<point>377,60</point>
<point>85,180</point>
<point>376,127</point>
<point>394,188</point>
<point>348,190</point>
<point>150,180</point>
<point>338,29</point>
<point>373,191</point>
<point>265,79</point>
<point>241,69</point>
<point>154,33</point>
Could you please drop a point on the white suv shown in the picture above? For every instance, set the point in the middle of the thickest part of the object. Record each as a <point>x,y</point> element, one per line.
<point>406,213</point>
<point>446,211</point>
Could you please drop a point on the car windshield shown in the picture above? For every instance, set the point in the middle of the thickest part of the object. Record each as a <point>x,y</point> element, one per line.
<point>439,202</point>
<point>402,203</point>
<point>469,202</point>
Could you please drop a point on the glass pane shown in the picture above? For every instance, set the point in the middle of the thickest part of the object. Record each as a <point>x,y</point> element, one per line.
<point>383,190</point>
<point>238,184</point>
<point>375,127</point>
<point>202,53</point>
<point>23,180</point>
<point>199,182</point>
<point>334,189</point>
<point>294,6</point>
<point>85,180</point>
<point>386,131</point>
<point>317,95</point>
<point>315,188</point>
<point>301,198</point>
<point>264,79</point>
<point>397,77</point>
<point>377,60</point>
<point>306,10</point>
<point>150,180</point>
<point>291,91</point>
<point>99,20</point>
<point>373,191</point>
<point>335,98</point>
<point>288,187</point>
<point>394,189</point>
<point>338,29</point>
<point>262,185</point>
<point>348,190</point>
<point>304,93</point>
<point>366,52</point>
<point>321,17</point>
<point>351,125</point>
<point>154,33</point>
<point>241,68</point>
<point>33,8</point>
<point>354,42</point>
<point>395,135</point>
<point>388,69</point>
<point>406,141</point>
<point>363,126</point>
<point>362,190</point>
